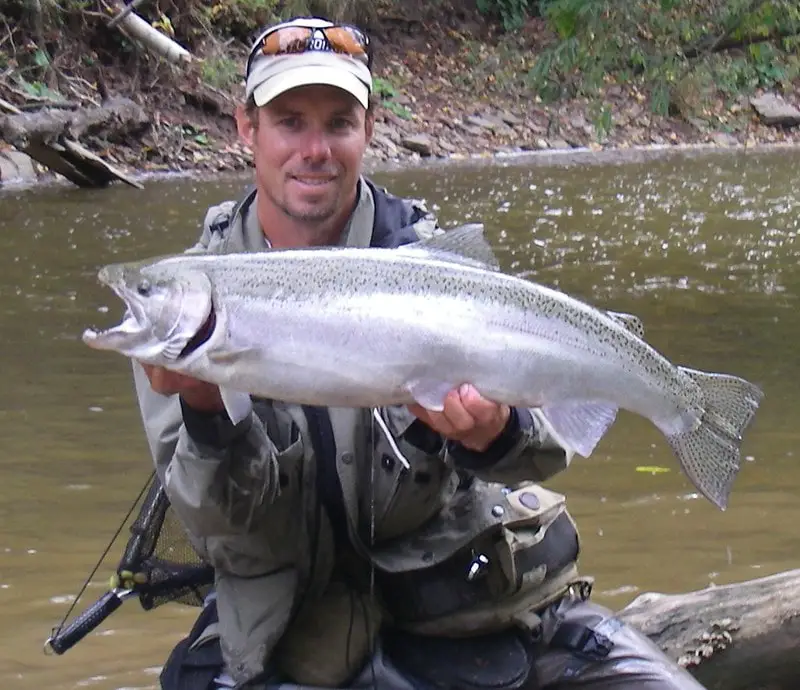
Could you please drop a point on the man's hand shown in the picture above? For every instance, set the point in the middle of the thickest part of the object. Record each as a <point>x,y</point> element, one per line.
<point>197,394</point>
<point>467,417</point>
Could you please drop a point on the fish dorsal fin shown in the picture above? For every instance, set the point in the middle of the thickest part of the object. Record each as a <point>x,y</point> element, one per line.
<point>629,321</point>
<point>465,244</point>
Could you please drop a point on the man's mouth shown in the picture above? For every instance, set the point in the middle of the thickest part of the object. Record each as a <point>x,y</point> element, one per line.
<point>314,180</point>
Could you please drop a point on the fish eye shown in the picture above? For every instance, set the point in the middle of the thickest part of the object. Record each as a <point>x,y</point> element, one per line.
<point>143,288</point>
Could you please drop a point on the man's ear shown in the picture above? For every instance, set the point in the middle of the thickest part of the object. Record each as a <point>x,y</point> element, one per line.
<point>245,125</point>
<point>369,124</point>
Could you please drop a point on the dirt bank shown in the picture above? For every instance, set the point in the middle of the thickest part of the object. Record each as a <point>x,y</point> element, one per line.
<point>451,91</point>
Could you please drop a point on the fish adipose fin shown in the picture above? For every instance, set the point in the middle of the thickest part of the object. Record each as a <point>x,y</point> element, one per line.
<point>710,453</point>
<point>629,321</point>
<point>579,425</point>
<point>464,245</point>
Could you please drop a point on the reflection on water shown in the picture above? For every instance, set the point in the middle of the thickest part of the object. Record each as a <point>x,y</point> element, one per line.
<point>703,250</point>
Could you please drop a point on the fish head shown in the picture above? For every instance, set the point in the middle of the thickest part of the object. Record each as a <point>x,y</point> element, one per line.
<point>165,309</point>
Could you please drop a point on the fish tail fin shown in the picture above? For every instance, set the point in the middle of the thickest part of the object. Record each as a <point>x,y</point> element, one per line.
<point>710,453</point>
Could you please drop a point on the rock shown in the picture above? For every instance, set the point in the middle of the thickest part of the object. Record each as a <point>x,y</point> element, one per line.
<point>470,129</point>
<point>418,143</point>
<point>446,146</point>
<point>395,120</point>
<point>724,139</point>
<point>774,110</point>
<point>537,128</point>
<point>559,144</point>
<point>577,121</point>
<point>697,123</point>
<point>17,166</point>
<point>484,122</point>
<point>387,131</point>
<point>384,143</point>
<point>510,119</point>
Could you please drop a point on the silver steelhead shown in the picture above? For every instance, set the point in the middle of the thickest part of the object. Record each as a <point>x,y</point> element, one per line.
<point>372,327</point>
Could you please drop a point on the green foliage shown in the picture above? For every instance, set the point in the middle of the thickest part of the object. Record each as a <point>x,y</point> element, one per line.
<point>386,92</point>
<point>221,71</point>
<point>512,13</point>
<point>734,46</point>
<point>238,17</point>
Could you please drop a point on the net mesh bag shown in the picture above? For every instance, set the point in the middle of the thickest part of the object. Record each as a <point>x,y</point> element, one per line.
<point>159,562</point>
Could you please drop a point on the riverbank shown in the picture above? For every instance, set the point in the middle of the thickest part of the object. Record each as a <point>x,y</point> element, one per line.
<point>459,96</point>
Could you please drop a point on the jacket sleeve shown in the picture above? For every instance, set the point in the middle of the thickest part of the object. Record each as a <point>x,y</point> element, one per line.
<point>525,450</point>
<point>222,480</point>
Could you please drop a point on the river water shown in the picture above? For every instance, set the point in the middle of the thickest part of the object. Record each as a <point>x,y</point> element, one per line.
<point>704,250</point>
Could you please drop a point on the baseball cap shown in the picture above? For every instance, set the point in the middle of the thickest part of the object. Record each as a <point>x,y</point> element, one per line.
<point>306,51</point>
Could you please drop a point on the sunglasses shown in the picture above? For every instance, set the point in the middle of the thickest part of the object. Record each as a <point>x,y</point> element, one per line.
<point>292,40</point>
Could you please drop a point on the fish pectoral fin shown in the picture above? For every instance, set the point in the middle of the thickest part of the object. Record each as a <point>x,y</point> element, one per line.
<point>632,323</point>
<point>579,425</point>
<point>429,394</point>
<point>465,244</point>
<point>238,405</point>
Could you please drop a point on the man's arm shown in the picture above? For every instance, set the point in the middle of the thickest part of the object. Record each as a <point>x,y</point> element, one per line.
<point>220,478</point>
<point>494,441</point>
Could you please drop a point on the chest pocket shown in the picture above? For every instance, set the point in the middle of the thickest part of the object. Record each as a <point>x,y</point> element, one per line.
<point>258,547</point>
<point>402,498</point>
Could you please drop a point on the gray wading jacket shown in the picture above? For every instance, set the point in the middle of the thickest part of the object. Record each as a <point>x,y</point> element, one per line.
<point>249,495</point>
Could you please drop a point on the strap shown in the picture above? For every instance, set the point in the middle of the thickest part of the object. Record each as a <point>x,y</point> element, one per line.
<point>223,221</point>
<point>329,486</point>
<point>582,640</point>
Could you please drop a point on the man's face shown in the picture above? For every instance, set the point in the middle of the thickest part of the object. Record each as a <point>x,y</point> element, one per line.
<point>308,146</point>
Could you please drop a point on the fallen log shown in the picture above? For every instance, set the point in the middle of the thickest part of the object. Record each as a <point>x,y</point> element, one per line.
<point>739,636</point>
<point>115,117</point>
<point>137,29</point>
<point>47,137</point>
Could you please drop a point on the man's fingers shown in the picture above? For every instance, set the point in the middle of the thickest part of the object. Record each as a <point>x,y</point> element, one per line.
<point>435,420</point>
<point>482,411</point>
<point>458,417</point>
<point>164,381</point>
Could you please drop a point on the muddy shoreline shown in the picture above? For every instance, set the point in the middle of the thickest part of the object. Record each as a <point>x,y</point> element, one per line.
<point>549,158</point>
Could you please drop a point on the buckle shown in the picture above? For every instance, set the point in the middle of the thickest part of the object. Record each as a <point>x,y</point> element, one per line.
<point>581,589</point>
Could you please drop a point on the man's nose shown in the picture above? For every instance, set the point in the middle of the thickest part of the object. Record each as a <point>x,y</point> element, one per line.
<point>317,147</point>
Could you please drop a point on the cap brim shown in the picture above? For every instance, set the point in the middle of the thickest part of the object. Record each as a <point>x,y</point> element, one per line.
<point>308,76</point>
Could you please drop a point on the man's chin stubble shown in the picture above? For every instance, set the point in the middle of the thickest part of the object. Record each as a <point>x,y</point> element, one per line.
<point>315,217</point>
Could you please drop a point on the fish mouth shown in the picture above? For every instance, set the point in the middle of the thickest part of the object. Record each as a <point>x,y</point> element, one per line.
<point>133,326</point>
<point>137,336</point>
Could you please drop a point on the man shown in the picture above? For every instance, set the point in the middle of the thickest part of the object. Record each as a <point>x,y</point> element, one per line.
<point>367,548</point>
